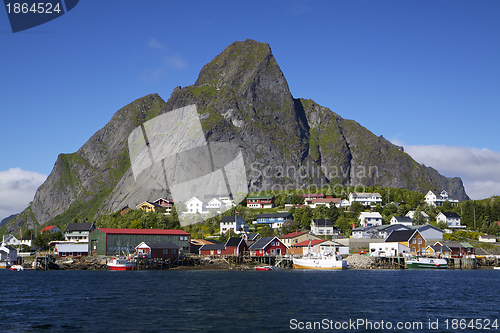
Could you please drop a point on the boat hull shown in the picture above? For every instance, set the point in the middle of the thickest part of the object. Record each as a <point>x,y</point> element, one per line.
<point>122,268</point>
<point>320,264</point>
<point>263,269</point>
<point>122,265</point>
<point>427,264</point>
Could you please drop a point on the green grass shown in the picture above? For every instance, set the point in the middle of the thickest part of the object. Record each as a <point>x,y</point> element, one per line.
<point>206,90</point>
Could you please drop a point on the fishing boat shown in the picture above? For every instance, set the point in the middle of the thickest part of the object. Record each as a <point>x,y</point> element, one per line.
<point>4,264</point>
<point>428,263</point>
<point>122,264</point>
<point>328,261</point>
<point>264,268</point>
<point>268,268</point>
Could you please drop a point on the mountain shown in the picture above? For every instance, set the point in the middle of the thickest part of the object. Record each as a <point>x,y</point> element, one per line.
<point>7,219</point>
<point>243,98</point>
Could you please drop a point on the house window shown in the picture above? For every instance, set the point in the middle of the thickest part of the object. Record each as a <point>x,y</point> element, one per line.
<point>420,241</point>
<point>414,241</point>
<point>413,249</point>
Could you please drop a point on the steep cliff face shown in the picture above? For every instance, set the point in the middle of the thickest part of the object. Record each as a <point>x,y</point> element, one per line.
<point>80,182</point>
<point>242,97</point>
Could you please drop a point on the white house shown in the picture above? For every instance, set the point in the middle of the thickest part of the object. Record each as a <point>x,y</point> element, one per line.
<point>451,219</point>
<point>388,249</point>
<point>328,202</point>
<point>487,238</point>
<point>324,227</point>
<point>402,220</point>
<point>227,201</point>
<point>367,219</point>
<point>326,246</point>
<point>366,199</point>
<point>425,217</point>
<point>434,199</point>
<point>8,253</point>
<point>195,205</point>
<point>236,224</point>
<point>365,233</point>
<point>10,240</point>
<point>215,204</point>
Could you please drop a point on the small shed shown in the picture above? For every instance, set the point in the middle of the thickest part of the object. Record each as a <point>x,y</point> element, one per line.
<point>158,250</point>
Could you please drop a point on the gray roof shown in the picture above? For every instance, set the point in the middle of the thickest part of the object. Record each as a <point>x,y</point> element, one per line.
<point>323,222</point>
<point>450,244</point>
<point>403,219</point>
<point>261,243</point>
<point>426,226</point>
<point>441,249</point>
<point>391,226</point>
<point>400,236</point>
<point>451,215</point>
<point>251,236</point>
<point>212,247</point>
<point>231,219</point>
<point>72,247</point>
<point>233,241</point>
<point>79,227</point>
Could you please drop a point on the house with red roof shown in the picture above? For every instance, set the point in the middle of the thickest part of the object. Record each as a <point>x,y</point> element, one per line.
<point>112,241</point>
<point>328,202</point>
<point>297,237</point>
<point>52,229</point>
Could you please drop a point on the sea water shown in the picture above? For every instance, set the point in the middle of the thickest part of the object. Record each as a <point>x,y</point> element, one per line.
<point>250,301</point>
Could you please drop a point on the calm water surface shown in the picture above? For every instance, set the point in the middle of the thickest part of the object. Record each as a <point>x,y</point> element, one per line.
<point>247,301</point>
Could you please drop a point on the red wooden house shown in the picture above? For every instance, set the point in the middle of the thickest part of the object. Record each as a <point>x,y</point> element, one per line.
<point>260,201</point>
<point>212,250</point>
<point>236,247</point>
<point>268,246</point>
<point>458,250</point>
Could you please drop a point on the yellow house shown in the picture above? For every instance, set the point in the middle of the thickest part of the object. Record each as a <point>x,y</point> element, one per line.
<point>149,206</point>
<point>410,238</point>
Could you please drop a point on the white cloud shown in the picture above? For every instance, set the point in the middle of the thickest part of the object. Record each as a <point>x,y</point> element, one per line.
<point>17,189</point>
<point>175,61</point>
<point>165,61</point>
<point>478,168</point>
<point>153,75</point>
<point>153,43</point>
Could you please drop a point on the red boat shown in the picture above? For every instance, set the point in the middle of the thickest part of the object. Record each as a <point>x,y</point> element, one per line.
<point>122,264</point>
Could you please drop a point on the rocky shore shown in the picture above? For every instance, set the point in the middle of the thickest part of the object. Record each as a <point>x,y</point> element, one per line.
<point>356,261</point>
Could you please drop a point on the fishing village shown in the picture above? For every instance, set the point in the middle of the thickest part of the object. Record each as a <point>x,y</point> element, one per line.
<point>369,244</point>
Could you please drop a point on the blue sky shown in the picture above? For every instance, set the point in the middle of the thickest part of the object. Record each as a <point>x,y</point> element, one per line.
<point>425,74</point>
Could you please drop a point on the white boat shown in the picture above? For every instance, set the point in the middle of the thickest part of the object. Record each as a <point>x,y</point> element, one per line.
<point>496,267</point>
<point>17,268</point>
<point>122,264</point>
<point>429,263</point>
<point>328,261</point>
